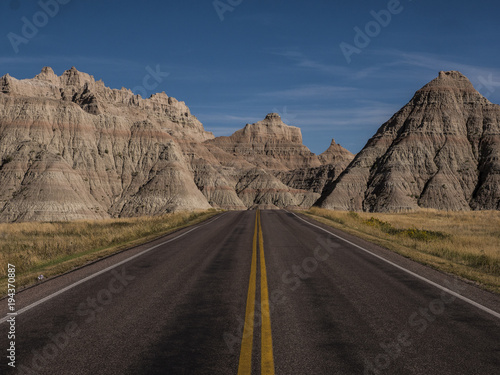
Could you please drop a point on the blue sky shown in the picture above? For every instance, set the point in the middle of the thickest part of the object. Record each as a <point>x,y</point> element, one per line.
<point>234,65</point>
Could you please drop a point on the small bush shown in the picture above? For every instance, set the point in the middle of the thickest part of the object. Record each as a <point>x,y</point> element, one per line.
<point>336,219</point>
<point>422,235</point>
<point>353,214</point>
<point>417,234</point>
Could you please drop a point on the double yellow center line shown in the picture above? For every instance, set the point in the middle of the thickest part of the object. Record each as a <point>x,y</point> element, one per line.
<point>267,359</point>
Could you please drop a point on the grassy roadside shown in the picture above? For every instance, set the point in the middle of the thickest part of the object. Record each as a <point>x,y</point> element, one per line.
<point>466,244</point>
<point>57,247</point>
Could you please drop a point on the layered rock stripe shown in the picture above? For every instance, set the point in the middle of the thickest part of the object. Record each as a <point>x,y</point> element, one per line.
<point>441,150</point>
<point>72,148</point>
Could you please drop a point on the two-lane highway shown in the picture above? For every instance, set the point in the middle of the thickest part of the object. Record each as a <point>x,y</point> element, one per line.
<point>252,293</point>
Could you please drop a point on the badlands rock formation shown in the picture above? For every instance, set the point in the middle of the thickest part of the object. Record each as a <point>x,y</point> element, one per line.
<point>269,144</point>
<point>277,148</point>
<point>319,179</point>
<point>71,148</point>
<point>259,163</point>
<point>441,150</point>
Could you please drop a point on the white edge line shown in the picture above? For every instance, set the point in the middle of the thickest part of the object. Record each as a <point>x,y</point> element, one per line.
<point>49,297</point>
<point>449,291</point>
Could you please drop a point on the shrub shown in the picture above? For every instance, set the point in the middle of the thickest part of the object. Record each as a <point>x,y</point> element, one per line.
<point>417,234</point>
<point>354,215</point>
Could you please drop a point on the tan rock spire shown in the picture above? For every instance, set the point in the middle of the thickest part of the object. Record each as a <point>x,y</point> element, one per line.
<point>441,150</point>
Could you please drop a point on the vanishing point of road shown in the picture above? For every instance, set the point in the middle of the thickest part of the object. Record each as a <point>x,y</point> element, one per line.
<point>255,292</point>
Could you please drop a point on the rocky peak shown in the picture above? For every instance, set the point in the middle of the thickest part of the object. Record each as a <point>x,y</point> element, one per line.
<point>73,77</point>
<point>451,74</point>
<point>335,153</point>
<point>47,70</point>
<point>95,98</point>
<point>5,83</point>
<point>441,150</point>
<point>159,97</point>
<point>270,143</point>
<point>449,81</point>
<point>47,74</point>
<point>273,118</point>
<point>271,129</point>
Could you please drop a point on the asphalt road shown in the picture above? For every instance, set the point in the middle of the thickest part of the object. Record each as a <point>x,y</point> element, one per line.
<point>320,305</point>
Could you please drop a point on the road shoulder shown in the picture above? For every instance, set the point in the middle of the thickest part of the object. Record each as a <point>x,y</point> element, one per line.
<point>467,288</point>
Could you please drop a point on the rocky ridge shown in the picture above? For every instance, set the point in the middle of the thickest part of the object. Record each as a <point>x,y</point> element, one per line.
<point>441,150</point>
<point>72,148</point>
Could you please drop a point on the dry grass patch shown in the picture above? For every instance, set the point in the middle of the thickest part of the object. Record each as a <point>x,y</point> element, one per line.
<point>57,247</point>
<point>463,243</point>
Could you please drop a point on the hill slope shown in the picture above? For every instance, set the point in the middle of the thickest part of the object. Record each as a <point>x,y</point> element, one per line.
<point>441,150</point>
<point>72,148</point>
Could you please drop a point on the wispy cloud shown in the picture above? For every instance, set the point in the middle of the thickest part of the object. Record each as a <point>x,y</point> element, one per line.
<point>438,62</point>
<point>367,114</point>
<point>310,92</point>
<point>426,60</point>
<point>486,79</point>
<point>370,114</point>
<point>302,61</point>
